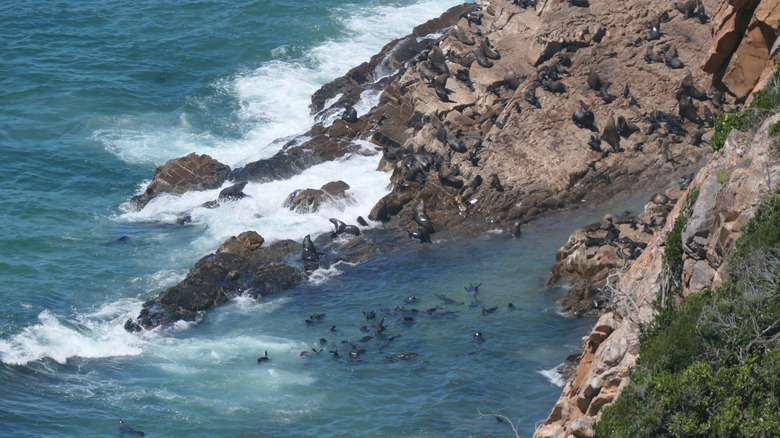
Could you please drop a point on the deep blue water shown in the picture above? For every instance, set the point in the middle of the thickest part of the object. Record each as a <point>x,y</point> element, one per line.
<point>94,96</point>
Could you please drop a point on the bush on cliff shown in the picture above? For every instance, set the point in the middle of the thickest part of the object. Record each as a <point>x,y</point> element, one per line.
<point>714,368</point>
<point>764,104</point>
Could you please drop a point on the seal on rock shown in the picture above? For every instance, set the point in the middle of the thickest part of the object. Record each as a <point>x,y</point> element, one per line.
<point>342,228</point>
<point>309,253</point>
<point>350,114</point>
<point>610,133</point>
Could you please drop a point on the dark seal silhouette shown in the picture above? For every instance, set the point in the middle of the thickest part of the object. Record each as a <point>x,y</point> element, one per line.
<point>124,429</point>
<point>342,228</point>
<point>310,253</point>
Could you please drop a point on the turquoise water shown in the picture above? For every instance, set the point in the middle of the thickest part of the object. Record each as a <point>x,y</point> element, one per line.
<point>94,96</point>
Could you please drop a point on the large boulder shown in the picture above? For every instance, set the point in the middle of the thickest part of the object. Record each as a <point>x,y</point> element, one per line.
<point>310,200</point>
<point>191,172</point>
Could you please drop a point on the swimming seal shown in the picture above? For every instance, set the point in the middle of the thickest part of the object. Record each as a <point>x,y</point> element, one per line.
<point>264,358</point>
<point>124,429</point>
<point>309,253</point>
<point>342,228</point>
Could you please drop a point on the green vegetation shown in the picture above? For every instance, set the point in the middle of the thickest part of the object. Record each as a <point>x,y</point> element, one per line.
<point>712,368</point>
<point>764,104</point>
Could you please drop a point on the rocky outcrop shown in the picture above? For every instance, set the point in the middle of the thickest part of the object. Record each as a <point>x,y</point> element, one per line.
<point>744,36</point>
<point>730,188</point>
<point>597,252</point>
<point>191,172</point>
<point>310,200</point>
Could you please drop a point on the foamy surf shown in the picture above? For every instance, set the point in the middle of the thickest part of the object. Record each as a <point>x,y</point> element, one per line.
<point>59,339</point>
<point>554,376</point>
<point>272,101</point>
<point>263,211</point>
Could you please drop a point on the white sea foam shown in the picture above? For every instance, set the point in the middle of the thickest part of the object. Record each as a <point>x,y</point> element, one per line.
<point>554,376</point>
<point>321,275</point>
<point>273,99</point>
<point>97,335</point>
<point>263,209</point>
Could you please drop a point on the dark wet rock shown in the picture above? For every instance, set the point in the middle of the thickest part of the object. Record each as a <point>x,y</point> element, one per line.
<point>191,172</point>
<point>241,265</point>
<point>310,200</point>
<point>596,251</point>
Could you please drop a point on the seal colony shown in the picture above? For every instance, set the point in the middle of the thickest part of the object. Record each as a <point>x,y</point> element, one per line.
<point>456,114</point>
<point>499,112</point>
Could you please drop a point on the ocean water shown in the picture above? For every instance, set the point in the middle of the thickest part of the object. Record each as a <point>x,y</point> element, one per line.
<point>94,96</point>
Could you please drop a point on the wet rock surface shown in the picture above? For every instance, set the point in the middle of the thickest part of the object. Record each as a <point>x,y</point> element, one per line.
<point>601,250</point>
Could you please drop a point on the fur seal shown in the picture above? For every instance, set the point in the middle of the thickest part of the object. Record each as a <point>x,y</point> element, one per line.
<point>530,97</point>
<point>610,133</point>
<point>482,60</point>
<point>511,79</point>
<point>688,110</point>
<point>687,8</point>
<point>124,429</point>
<point>362,221</point>
<point>554,87</point>
<point>624,128</point>
<point>263,358</point>
<point>439,83</point>
<point>350,114</point>
<point>484,46</point>
<point>687,87</point>
<point>421,217</point>
<point>671,58</point>
<point>462,37</point>
<point>709,117</point>
<point>495,183</point>
<point>476,182</point>
<point>438,61</point>
<point>594,81</point>
<point>652,56</point>
<point>309,253</point>
<point>514,231</point>
<point>233,193</point>
<point>584,118</point>
<point>472,17</point>
<point>655,29</point>
<point>579,3</point>
<point>472,289</point>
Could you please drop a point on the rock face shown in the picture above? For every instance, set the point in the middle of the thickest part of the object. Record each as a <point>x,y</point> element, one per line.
<point>596,252</point>
<point>743,44</point>
<point>730,187</point>
<point>192,172</point>
<point>310,200</point>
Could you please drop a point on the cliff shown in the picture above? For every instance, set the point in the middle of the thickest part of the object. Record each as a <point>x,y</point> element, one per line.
<point>727,192</point>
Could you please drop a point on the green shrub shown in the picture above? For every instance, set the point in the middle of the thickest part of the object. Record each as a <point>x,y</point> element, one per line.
<point>724,123</point>
<point>713,368</point>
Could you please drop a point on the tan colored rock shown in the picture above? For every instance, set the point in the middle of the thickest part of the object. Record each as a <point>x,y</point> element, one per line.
<point>750,60</point>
